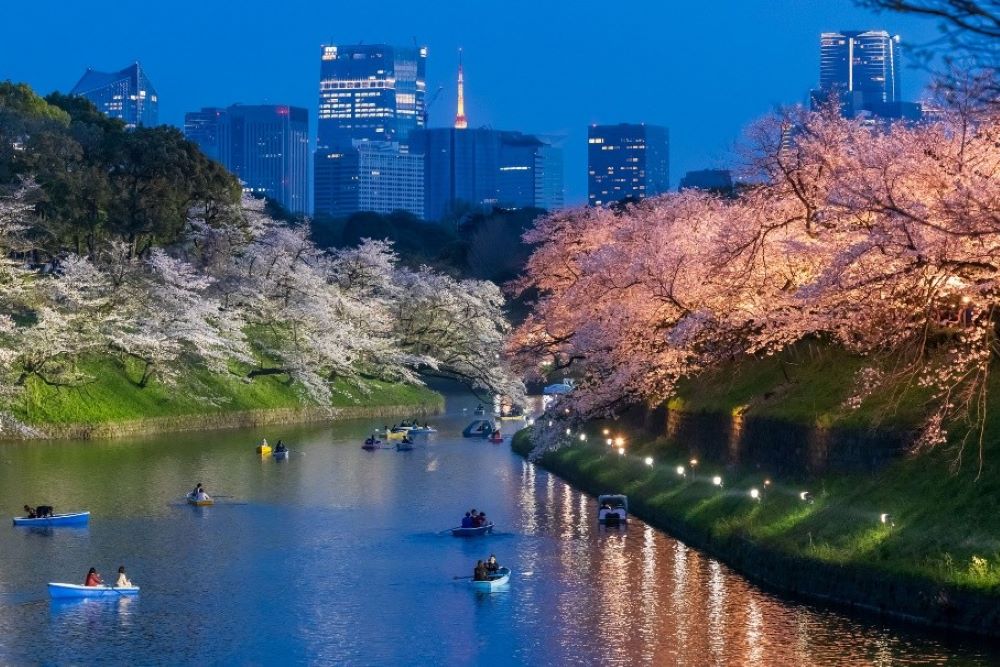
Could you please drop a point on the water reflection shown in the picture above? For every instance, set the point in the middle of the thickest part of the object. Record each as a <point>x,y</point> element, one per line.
<point>335,556</point>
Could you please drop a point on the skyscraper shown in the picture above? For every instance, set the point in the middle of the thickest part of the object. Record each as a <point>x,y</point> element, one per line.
<point>483,168</point>
<point>371,176</point>
<point>861,69</point>
<point>370,92</point>
<point>367,93</point>
<point>127,94</point>
<point>266,146</point>
<point>627,161</point>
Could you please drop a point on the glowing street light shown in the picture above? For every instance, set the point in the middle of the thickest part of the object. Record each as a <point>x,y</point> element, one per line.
<point>610,442</point>
<point>886,520</point>
<point>680,470</point>
<point>755,494</point>
<point>583,437</point>
<point>806,497</point>
<point>620,441</point>
<point>569,432</point>
<point>606,432</point>
<point>693,462</point>
<point>649,460</point>
<point>621,451</point>
<point>717,481</point>
<point>767,482</point>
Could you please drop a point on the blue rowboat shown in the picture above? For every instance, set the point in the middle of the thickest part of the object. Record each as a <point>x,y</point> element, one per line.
<point>62,591</point>
<point>404,446</point>
<point>496,580</point>
<point>473,532</point>
<point>480,428</point>
<point>73,519</point>
<point>283,454</point>
<point>422,430</point>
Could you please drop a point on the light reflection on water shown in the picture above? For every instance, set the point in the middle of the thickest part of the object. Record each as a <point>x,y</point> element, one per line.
<point>334,556</point>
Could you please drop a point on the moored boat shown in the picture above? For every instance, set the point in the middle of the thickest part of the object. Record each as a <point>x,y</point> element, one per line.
<point>613,509</point>
<point>497,580</point>
<point>69,519</point>
<point>473,532</point>
<point>62,591</point>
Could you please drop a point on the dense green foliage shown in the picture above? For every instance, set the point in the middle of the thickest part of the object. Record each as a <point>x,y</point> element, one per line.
<point>100,182</point>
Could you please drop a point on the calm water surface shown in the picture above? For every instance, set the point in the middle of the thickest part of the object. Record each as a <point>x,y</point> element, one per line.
<point>334,556</point>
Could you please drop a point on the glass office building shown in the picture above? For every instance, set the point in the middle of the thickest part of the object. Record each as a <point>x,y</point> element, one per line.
<point>127,95</point>
<point>861,70</point>
<point>266,146</point>
<point>372,176</point>
<point>370,92</point>
<point>484,168</point>
<point>626,162</point>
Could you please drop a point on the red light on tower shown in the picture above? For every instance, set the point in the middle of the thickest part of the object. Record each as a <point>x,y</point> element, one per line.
<point>281,111</point>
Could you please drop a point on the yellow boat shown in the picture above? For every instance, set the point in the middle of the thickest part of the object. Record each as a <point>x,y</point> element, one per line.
<point>397,435</point>
<point>264,449</point>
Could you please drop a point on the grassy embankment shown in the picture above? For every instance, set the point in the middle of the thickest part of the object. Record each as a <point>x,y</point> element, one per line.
<point>946,528</point>
<point>113,396</point>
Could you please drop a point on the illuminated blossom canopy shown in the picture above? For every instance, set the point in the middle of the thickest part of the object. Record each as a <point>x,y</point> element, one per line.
<point>885,242</point>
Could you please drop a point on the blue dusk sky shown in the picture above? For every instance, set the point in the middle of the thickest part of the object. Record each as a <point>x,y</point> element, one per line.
<point>703,69</point>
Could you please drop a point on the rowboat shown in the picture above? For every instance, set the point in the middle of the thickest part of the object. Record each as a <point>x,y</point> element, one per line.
<point>496,580</point>
<point>372,445</point>
<point>397,434</point>
<point>205,502</point>
<point>62,591</point>
<point>473,532</point>
<point>264,449</point>
<point>612,509</point>
<point>404,446</point>
<point>480,428</point>
<point>422,430</point>
<point>283,454</point>
<point>71,519</point>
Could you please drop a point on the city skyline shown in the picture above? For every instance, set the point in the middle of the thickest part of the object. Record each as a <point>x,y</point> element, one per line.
<point>506,86</point>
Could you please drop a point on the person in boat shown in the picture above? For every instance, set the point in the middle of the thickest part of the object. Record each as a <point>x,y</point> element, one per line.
<point>43,511</point>
<point>479,573</point>
<point>496,434</point>
<point>467,520</point>
<point>407,440</point>
<point>202,496</point>
<point>280,447</point>
<point>492,566</point>
<point>123,580</point>
<point>197,490</point>
<point>480,520</point>
<point>93,579</point>
<point>30,513</point>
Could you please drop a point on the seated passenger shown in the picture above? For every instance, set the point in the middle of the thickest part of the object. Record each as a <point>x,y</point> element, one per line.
<point>467,521</point>
<point>492,565</point>
<point>43,511</point>
<point>30,513</point>
<point>93,579</point>
<point>123,581</point>
<point>479,574</point>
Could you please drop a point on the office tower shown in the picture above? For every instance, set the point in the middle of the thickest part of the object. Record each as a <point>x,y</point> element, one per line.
<point>712,180</point>
<point>205,129</point>
<point>370,176</point>
<point>127,94</point>
<point>861,68</point>
<point>483,168</point>
<point>367,92</point>
<point>370,92</point>
<point>627,162</point>
<point>266,146</point>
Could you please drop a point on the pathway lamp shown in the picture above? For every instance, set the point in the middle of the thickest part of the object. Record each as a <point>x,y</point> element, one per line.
<point>755,494</point>
<point>649,461</point>
<point>583,437</point>
<point>886,520</point>
<point>693,462</point>
<point>806,497</point>
<point>717,481</point>
<point>620,442</point>
<point>610,442</point>
<point>569,432</point>
<point>680,470</point>
<point>606,432</point>
<point>621,451</point>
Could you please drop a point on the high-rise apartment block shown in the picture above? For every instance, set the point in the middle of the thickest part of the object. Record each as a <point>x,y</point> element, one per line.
<point>627,162</point>
<point>266,146</point>
<point>127,94</point>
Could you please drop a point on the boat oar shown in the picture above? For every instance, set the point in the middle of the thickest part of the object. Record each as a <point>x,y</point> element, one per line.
<point>442,532</point>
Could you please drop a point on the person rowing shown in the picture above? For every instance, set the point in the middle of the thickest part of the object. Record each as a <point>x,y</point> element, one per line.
<point>199,493</point>
<point>479,573</point>
<point>93,579</point>
<point>280,447</point>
